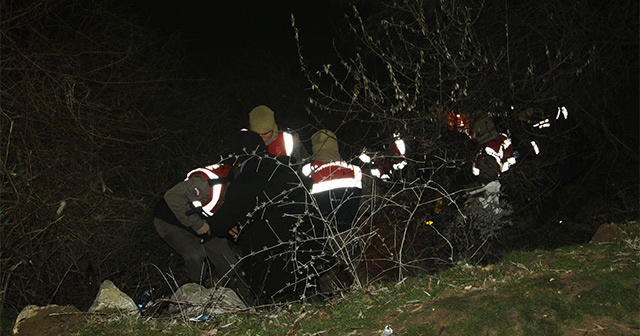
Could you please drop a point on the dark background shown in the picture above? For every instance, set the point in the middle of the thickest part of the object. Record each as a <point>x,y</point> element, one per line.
<point>216,33</point>
<point>105,105</point>
<point>248,49</point>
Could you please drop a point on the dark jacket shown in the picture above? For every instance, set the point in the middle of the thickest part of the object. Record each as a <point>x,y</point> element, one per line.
<point>278,232</point>
<point>563,147</point>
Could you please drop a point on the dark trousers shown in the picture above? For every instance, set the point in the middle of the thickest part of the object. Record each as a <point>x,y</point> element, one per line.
<point>339,206</point>
<point>195,252</point>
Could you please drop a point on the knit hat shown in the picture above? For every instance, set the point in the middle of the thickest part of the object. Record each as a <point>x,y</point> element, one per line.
<point>484,130</point>
<point>262,120</point>
<point>324,146</point>
<point>245,142</point>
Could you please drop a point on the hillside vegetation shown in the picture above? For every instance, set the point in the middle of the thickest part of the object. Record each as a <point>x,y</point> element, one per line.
<point>589,289</point>
<point>101,114</point>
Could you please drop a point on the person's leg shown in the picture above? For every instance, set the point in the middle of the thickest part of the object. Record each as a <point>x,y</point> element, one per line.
<point>323,199</point>
<point>224,258</point>
<point>346,204</point>
<point>187,245</point>
<point>221,255</point>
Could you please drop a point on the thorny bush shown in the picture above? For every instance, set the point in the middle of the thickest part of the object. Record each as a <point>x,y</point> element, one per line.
<point>86,148</point>
<point>88,97</point>
<point>402,66</point>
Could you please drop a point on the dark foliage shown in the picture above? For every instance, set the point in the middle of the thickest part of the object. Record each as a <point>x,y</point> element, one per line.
<point>403,65</point>
<point>100,116</point>
<point>88,138</point>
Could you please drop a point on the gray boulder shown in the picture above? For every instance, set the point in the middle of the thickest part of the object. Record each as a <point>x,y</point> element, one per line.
<point>194,300</point>
<point>111,299</point>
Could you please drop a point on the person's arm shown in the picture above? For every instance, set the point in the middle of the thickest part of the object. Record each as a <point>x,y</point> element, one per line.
<point>179,198</point>
<point>240,199</point>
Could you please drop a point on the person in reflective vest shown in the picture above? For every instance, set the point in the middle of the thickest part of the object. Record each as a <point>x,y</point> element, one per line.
<point>280,142</point>
<point>459,122</point>
<point>266,211</point>
<point>336,185</point>
<point>552,140</point>
<point>550,133</point>
<point>180,220</point>
<point>495,157</point>
<point>385,164</point>
<point>498,153</point>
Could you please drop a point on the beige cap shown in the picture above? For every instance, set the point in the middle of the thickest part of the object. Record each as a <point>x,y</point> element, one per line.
<point>484,130</point>
<point>324,146</point>
<point>262,120</point>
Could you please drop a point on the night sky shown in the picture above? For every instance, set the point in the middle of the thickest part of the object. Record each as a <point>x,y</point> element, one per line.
<point>214,31</point>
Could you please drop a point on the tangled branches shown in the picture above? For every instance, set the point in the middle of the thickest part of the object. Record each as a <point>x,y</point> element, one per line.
<point>402,66</point>
<point>77,87</point>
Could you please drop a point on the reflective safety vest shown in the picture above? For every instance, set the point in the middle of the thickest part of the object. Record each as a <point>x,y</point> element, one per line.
<point>501,151</point>
<point>383,164</point>
<point>371,166</point>
<point>282,145</point>
<point>561,114</point>
<point>392,160</point>
<point>398,149</point>
<point>332,175</point>
<point>459,122</point>
<point>216,175</point>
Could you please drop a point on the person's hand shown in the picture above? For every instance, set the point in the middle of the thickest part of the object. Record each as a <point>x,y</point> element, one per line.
<point>233,232</point>
<point>204,230</point>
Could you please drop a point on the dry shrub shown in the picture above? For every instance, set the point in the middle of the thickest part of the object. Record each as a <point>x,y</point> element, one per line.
<point>399,65</point>
<point>83,139</point>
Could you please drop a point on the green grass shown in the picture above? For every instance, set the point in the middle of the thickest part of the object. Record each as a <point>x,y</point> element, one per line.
<point>571,289</point>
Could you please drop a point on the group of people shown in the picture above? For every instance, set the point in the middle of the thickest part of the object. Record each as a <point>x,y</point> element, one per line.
<point>546,132</point>
<point>262,216</point>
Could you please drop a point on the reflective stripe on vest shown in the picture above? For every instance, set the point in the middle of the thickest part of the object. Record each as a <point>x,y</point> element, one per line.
<point>216,174</point>
<point>542,124</point>
<point>562,112</point>
<point>497,150</point>
<point>332,175</point>
<point>398,149</point>
<point>398,145</point>
<point>282,145</point>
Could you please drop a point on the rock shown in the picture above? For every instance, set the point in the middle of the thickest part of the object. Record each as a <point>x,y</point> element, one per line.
<point>608,233</point>
<point>111,299</point>
<point>193,300</point>
<point>44,321</point>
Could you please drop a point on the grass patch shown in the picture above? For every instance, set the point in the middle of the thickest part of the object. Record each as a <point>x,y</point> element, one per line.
<point>586,289</point>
